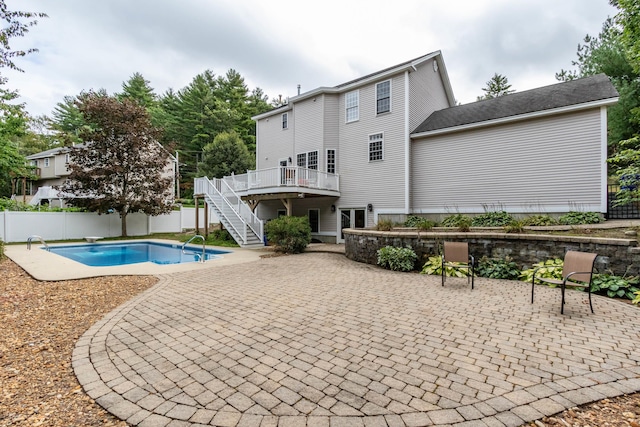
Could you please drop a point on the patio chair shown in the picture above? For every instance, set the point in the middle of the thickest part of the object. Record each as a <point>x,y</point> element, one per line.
<point>577,271</point>
<point>456,255</point>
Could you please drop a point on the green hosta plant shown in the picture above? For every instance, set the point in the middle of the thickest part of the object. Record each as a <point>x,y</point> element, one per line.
<point>636,299</point>
<point>397,259</point>
<point>434,266</point>
<point>454,220</point>
<point>575,218</point>
<point>550,269</point>
<point>498,268</point>
<point>492,219</point>
<point>422,224</point>
<point>539,220</point>
<point>615,286</point>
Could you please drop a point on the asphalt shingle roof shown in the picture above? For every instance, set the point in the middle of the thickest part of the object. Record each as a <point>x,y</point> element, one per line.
<point>579,91</point>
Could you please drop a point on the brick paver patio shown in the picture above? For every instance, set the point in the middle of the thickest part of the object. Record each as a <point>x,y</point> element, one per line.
<point>318,340</point>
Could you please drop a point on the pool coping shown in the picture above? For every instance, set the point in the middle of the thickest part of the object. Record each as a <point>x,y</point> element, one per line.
<point>46,266</point>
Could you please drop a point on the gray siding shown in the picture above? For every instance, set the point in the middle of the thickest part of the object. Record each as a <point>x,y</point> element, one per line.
<point>380,183</point>
<point>331,129</point>
<point>427,94</point>
<point>274,143</point>
<point>309,131</point>
<point>544,165</point>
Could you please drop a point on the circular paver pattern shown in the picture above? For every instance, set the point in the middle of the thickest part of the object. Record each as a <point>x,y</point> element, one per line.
<point>318,340</point>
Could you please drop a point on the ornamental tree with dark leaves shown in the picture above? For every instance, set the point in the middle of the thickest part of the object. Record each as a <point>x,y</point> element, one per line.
<point>121,167</point>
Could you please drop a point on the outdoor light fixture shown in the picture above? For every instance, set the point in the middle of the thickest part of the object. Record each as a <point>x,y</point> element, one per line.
<point>370,207</point>
<point>289,159</point>
<point>333,208</point>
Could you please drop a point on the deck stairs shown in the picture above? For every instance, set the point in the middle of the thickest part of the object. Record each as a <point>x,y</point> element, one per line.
<point>236,216</point>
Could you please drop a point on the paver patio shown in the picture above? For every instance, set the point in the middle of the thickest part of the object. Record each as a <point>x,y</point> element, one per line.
<point>318,340</point>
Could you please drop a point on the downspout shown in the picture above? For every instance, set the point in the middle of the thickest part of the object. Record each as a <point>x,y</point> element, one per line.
<point>603,147</point>
<point>407,145</point>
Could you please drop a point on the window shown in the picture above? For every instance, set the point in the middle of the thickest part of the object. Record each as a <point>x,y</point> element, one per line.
<point>331,161</point>
<point>383,97</point>
<point>314,220</point>
<point>351,101</point>
<point>34,163</point>
<point>285,121</point>
<point>375,146</point>
<point>281,212</point>
<point>66,158</point>
<point>302,160</point>
<point>312,160</point>
<point>46,162</point>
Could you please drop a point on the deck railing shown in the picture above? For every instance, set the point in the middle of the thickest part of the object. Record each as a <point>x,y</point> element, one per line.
<point>283,176</point>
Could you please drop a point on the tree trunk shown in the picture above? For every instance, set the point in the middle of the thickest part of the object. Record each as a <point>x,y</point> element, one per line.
<point>123,219</point>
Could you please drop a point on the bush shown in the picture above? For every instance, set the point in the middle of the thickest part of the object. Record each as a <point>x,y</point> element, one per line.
<point>397,259</point>
<point>384,225</point>
<point>420,223</point>
<point>289,234</point>
<point>551,269</point>
<point>514,226</point>
<point>492,219</point>
<point>538,220</point>
<point>615,286</point>
<point>464,224</point>
<point>575,218</point>
<point>1,249</point>
<point>412,221</point>
<point>454,220</point>
<point>434,266</point>
<point>636,299</point>
<point>498,268</point>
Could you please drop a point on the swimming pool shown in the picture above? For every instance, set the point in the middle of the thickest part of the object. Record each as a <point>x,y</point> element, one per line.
<point>111,254</point>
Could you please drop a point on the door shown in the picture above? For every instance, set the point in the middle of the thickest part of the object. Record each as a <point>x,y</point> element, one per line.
<point>351,218</point>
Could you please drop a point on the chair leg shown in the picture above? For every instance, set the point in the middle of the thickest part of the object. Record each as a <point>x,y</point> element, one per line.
<point>473,271</point>
<point>533,287</point>
<point>590,305</point>
<point>442,273</point>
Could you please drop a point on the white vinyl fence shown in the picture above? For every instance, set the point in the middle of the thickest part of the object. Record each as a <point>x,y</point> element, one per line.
<point>18,226</point>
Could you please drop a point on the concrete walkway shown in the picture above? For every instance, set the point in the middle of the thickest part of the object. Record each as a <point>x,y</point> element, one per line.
<point>318,340</point>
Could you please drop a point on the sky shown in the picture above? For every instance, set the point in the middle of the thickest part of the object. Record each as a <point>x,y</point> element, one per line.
<point>279,44</point>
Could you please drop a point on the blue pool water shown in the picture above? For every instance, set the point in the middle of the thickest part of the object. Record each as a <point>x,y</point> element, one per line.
<point>105,254</point>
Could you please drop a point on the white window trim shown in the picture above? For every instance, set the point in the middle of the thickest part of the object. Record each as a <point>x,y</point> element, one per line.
<point>335,160</point>
<point>285,123</point>
<point>390,97</point>
<point>66,158</point>
<point>306,159</point>
<point>357,106</point>
<point>369,147</point>
<point>46,162</point>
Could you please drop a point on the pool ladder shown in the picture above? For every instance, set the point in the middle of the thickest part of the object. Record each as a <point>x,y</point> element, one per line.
<point>202,258</point>
<point>35,236</point>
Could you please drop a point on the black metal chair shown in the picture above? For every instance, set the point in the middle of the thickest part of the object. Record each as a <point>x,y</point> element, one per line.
<point>456,255</point>
<point>577,271</point>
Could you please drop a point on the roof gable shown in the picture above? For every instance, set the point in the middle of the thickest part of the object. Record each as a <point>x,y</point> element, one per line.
<point>566,94</point>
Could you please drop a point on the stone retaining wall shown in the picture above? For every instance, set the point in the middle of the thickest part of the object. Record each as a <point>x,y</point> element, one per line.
<point>619,256</point>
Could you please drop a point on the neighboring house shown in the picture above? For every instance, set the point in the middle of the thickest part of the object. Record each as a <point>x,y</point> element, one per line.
<point>52,171</point>
<point>393,143</point>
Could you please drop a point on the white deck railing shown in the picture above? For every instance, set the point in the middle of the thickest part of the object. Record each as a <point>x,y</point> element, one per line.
<point>283,176</point>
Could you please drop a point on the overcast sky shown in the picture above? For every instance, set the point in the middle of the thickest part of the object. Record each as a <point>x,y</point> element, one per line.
<point>278,44</point>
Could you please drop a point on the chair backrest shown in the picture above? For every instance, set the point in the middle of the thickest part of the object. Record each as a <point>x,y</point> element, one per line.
<point>456,252</point>
<point>579,261</point>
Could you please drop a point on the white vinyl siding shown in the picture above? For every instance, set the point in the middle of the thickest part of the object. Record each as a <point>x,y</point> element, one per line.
<point>352,106</point>
<point>272,143</point>
<point>543,165</point>
<point>383,97</point>
<point>427,94</point>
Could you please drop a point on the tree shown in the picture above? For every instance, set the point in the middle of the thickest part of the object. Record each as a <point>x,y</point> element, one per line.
<point>15,27</point>
<point>497,86</point>
<point>629,19</point>
<point>138,89</point>
<point>227,154</point>
<point>121,167</point>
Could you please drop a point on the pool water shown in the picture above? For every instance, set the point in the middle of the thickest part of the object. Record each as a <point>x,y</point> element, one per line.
<point>106,254</point>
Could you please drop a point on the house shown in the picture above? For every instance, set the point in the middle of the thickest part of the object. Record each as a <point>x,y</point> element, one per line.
<point>394,143</point>
<point>52,171</point>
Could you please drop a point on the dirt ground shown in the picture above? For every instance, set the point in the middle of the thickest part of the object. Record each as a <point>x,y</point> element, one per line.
<point>40,323</point>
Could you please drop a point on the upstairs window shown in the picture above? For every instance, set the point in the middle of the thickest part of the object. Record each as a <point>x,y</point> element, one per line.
<point>285,121</point>
<point>302,160</point>
<point>351,102</point>
<point>34,163</point>
<point>383,97</point>
<point>312,160</point>
<point>331,161</point>
<point>46,162</point>
<point>66,158</point>
<point>376,145</point>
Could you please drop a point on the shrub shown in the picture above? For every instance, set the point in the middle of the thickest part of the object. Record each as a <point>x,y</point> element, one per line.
<point>454,220</point>
<point>636,299</point>
<point>551,269</point>
<point>384,225</point>
<point>514,226</point>
<point>615,286</point>
<point>492,219</point>
<point>1,249</point>
<point>290,234</point>
<point>412,221</point>
<point>434,266</point>
<point>464,224</point>
<point>397,259</point>
<point>575,218</point>
<point>498,268</point>
<point>420,223</point>
<point>538,220</point>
